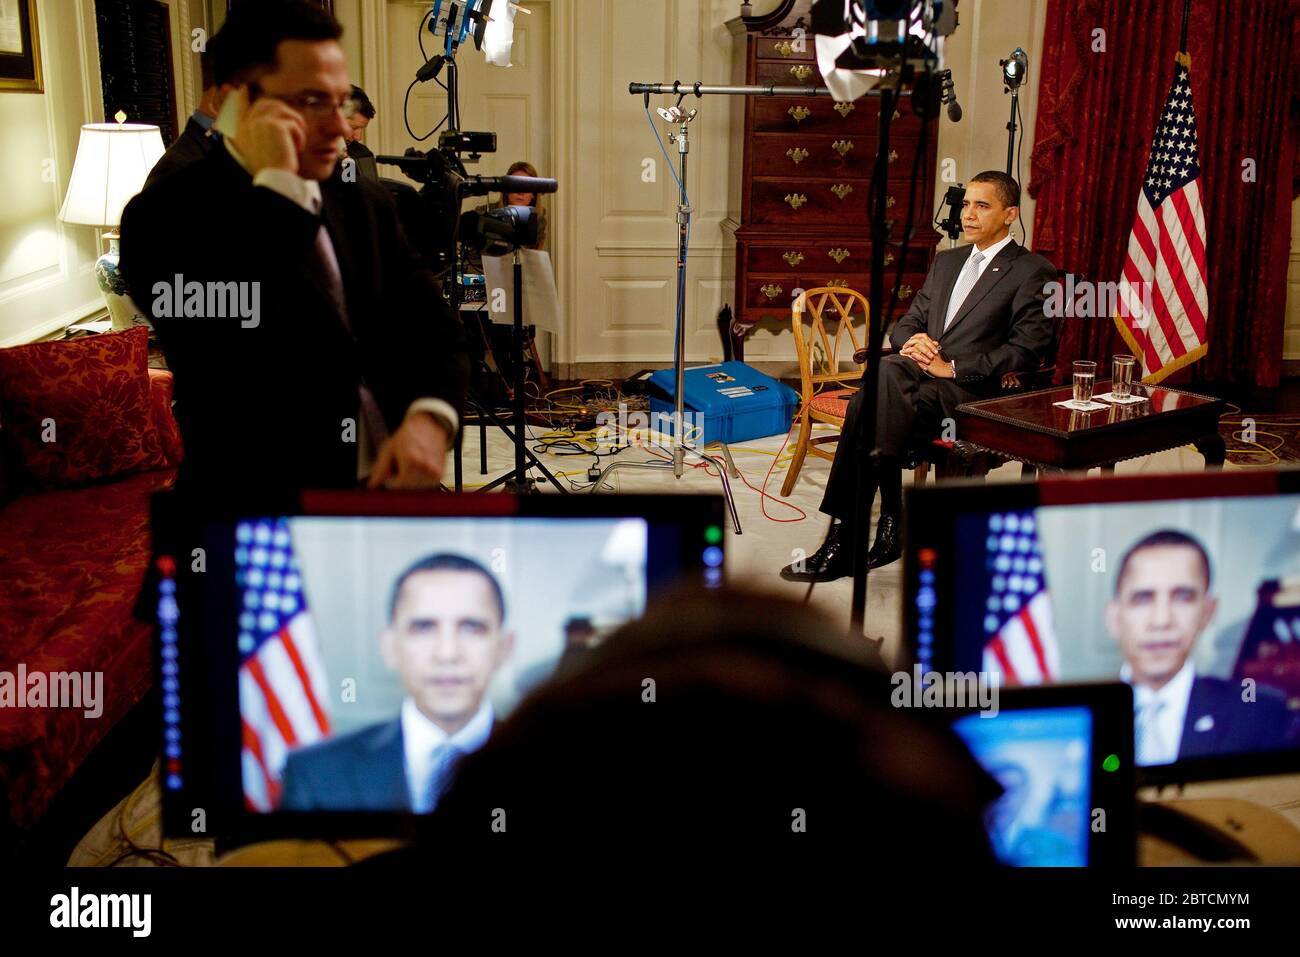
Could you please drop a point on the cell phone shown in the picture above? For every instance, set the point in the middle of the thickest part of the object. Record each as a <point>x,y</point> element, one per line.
<point>227,121</point>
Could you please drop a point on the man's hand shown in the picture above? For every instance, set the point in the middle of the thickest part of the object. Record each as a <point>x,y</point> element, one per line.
<point>414,457</point>
<point>270,134</point>
<point>921,349</point>
<point>941,369</point>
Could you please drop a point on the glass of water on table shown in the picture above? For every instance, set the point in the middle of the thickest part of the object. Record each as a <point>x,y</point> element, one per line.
<point>1085,374</point>
<point>1121,376</point>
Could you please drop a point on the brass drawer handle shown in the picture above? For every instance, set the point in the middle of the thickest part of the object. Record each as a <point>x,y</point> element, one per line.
<point>795,199</point>
<point>889,258</point>
<point>844,109</point>
<point>801,72</point>
<point>890,202</point>
<point>800,113</point>
<point>839,254</point>
<point>797,153</point>
<point>843,147</point>
<point>842,283</point>
<point>841,189</point>
<point>893,156</point>
<point>904,291</point>
<point>792,259</point>
<point>771,290</point>
<point>783,47</point>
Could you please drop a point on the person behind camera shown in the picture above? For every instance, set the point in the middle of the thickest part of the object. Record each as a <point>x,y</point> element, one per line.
<point>473,259</point>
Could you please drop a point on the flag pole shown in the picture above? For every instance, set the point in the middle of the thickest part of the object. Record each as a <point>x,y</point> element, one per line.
<point>1182,39</point>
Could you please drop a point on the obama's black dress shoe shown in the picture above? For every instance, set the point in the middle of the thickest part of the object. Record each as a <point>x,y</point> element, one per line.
<point>888,546</point>
<point>833,560</point>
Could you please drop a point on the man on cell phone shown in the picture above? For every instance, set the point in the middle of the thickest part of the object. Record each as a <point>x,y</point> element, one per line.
<point>309,347</point>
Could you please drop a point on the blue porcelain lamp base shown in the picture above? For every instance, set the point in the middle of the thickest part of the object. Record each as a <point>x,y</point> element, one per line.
<point>121,307</point>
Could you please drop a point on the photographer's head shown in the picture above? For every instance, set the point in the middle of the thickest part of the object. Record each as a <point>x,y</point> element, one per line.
<point>364,113</point>
<point>1161,604</point>
<point>446,636</point>
<point>521,168</point>
<point>284,61</point>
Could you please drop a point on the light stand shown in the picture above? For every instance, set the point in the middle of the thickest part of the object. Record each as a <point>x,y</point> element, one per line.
<point>680,446</point>
<point>1014,69</point>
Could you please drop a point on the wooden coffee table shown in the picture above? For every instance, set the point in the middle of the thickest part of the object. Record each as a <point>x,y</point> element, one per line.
<point>1027,427</point>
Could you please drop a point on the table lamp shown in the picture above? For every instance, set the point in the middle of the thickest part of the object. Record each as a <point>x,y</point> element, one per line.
<point>112,162</point>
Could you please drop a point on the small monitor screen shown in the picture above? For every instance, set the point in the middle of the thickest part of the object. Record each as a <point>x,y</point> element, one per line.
<point>1042,758</point>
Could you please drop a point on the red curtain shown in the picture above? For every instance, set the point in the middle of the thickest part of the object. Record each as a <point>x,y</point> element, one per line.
<point>1097,112</point>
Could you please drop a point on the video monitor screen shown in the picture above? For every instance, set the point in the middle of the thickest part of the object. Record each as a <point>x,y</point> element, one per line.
<point>343,663</point>
<point>1063,756</point>
<point>1186,588</point>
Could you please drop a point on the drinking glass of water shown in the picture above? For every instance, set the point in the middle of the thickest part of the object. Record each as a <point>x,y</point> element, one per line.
<point>1085,373</point>
<point>1121,376</point>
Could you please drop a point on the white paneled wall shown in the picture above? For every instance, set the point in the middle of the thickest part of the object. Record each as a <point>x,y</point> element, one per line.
<point>46,278</point>
<point>46,268</point>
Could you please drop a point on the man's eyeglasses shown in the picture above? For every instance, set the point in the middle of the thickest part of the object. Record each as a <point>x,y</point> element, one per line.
<point>314,105</point>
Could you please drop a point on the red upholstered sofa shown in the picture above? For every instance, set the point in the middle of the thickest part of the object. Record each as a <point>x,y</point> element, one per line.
<point>73,554</point>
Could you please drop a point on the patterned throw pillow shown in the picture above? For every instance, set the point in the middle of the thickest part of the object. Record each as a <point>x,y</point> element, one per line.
<point>79,410</point>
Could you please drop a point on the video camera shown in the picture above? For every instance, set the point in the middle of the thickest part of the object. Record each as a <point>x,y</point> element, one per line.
<point>447,184</point>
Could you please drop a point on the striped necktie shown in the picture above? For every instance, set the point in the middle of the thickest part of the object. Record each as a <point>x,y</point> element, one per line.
<point>445,759</point>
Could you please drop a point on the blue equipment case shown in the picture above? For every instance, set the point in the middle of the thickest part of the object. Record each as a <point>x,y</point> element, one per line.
<point>732,401</point>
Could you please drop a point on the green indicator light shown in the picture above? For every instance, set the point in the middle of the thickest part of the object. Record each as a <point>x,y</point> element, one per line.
<point>713,534</point>
<point>1111,763</point>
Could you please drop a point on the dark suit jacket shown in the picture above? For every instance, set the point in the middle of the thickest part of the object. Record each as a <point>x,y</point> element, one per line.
<point>266,404</point>
<point>192,145</point>
<point>1001,326</point>
<point>1229,725</point>
<point>361,771</point>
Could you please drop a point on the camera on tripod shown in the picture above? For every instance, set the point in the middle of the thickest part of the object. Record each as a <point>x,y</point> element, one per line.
<point>446,185</point>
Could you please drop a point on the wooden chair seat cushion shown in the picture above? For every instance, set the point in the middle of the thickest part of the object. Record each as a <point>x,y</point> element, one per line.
<point>835,402</point>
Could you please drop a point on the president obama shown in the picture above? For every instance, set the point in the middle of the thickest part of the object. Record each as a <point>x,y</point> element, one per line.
<point>978,316</point>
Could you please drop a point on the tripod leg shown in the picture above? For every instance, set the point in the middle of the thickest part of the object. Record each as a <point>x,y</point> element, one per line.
<point>731,464</point>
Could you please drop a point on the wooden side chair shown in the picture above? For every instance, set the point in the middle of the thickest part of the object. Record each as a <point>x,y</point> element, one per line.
<point>824,396</point>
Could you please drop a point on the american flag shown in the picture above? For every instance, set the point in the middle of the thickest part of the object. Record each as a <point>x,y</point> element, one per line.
<point>282,686</point>
<point>1020,639</point>
<point>1166,249</point>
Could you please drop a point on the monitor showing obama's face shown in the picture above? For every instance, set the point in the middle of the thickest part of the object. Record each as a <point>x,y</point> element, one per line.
<point>1162,603</point>
<point>446,638</point>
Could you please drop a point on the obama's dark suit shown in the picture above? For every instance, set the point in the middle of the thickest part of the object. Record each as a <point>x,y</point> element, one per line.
<point>1001,327</point>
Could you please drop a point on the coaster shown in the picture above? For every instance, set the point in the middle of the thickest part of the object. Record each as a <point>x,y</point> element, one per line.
<point>1127,400</point>
<point>1080,407</point>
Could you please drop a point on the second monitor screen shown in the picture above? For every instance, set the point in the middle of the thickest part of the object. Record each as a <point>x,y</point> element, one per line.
<point>1188,602</point>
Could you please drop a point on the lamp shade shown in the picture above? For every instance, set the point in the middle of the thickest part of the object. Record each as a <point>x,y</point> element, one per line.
<point>112,162</point>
